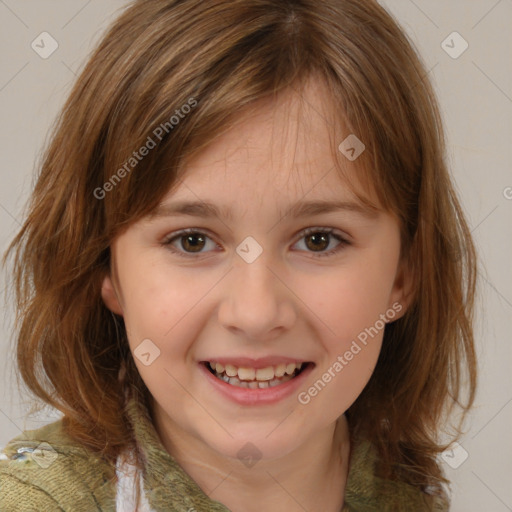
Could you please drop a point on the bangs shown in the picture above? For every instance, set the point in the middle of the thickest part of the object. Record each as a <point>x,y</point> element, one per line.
<point>186,130</point>
<point>173,94</point>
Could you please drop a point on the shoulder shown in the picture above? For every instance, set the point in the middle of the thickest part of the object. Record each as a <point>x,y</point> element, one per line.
<point>366,491</point>
<point>45,469</point>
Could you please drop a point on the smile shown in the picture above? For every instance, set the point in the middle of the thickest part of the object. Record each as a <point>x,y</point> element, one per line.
<point>255,378</point>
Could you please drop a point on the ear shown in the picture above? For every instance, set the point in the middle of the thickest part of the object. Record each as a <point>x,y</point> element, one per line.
<point>109,296</point>
<point>403,290</point>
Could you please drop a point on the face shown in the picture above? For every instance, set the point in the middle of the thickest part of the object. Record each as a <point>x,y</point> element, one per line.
<point>258,289</point>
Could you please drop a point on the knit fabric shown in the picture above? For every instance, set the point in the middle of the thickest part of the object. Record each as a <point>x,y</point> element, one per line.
<point>45,470</point>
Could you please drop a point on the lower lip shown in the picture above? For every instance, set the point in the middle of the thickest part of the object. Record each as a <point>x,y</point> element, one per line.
<point>247,396</point>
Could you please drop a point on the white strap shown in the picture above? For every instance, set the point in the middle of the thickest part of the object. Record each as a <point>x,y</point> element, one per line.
<point>126,487</point>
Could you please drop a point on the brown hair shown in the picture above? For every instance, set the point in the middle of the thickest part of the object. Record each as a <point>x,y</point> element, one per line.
<point>224,55</point>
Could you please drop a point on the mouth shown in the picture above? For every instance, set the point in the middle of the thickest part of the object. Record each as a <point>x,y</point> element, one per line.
<point>256,378</point>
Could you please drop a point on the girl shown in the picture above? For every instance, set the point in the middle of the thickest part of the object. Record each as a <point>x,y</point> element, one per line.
<point>245,278</point>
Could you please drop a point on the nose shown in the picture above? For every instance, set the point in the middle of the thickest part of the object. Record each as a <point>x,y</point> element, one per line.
<point>257,304</point>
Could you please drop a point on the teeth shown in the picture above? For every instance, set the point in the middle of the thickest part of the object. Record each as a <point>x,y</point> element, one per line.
<point>266,373</point>
<point>290,368</point>
<point>231,370</point>
<point>280,370</point>
<point>246,373</point>
<point>255,378</point>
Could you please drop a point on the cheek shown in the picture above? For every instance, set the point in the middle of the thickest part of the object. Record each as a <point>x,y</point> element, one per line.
<point>349,327</point>
<point>341,381</point>
<point>349,298</point>
<point>161,304</point>
<point>347,304</point>
<point>161,307</point>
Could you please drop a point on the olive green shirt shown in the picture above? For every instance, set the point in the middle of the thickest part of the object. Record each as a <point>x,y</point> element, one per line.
<point>63,476</point>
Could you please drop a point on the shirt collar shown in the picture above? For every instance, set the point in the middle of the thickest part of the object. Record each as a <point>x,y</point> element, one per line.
<point>168,487</point>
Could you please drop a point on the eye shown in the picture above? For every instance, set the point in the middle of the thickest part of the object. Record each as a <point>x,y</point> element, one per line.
<point>189,242</point>
<point>318,239</point>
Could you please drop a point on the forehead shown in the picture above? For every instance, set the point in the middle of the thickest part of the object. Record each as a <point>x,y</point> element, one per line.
<point>284,148</point>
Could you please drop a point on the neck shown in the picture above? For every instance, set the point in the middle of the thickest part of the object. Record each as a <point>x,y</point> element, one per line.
<point>312,477</point>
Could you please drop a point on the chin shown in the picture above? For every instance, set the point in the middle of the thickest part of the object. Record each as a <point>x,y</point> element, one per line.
<point>250,446</point>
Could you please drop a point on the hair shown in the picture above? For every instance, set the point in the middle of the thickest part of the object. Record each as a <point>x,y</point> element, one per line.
<point>221,57</point>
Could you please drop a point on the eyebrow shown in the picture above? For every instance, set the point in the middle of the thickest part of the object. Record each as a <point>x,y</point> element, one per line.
<point>300,209</point>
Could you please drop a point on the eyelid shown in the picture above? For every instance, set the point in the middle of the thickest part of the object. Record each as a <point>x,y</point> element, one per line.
<point>324,229</point>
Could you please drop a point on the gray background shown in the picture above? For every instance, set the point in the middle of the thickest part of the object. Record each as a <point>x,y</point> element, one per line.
<point>475,92</point>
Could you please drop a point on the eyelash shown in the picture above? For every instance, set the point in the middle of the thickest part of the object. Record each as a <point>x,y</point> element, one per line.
<point>309,231</point>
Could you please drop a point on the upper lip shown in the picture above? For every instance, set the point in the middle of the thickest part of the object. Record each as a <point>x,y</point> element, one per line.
<point>248,362</point>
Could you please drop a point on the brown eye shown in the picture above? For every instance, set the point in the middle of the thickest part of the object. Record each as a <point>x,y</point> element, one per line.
<point>319,241</point>
<point>192,243</point>
<point>189,242</point>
